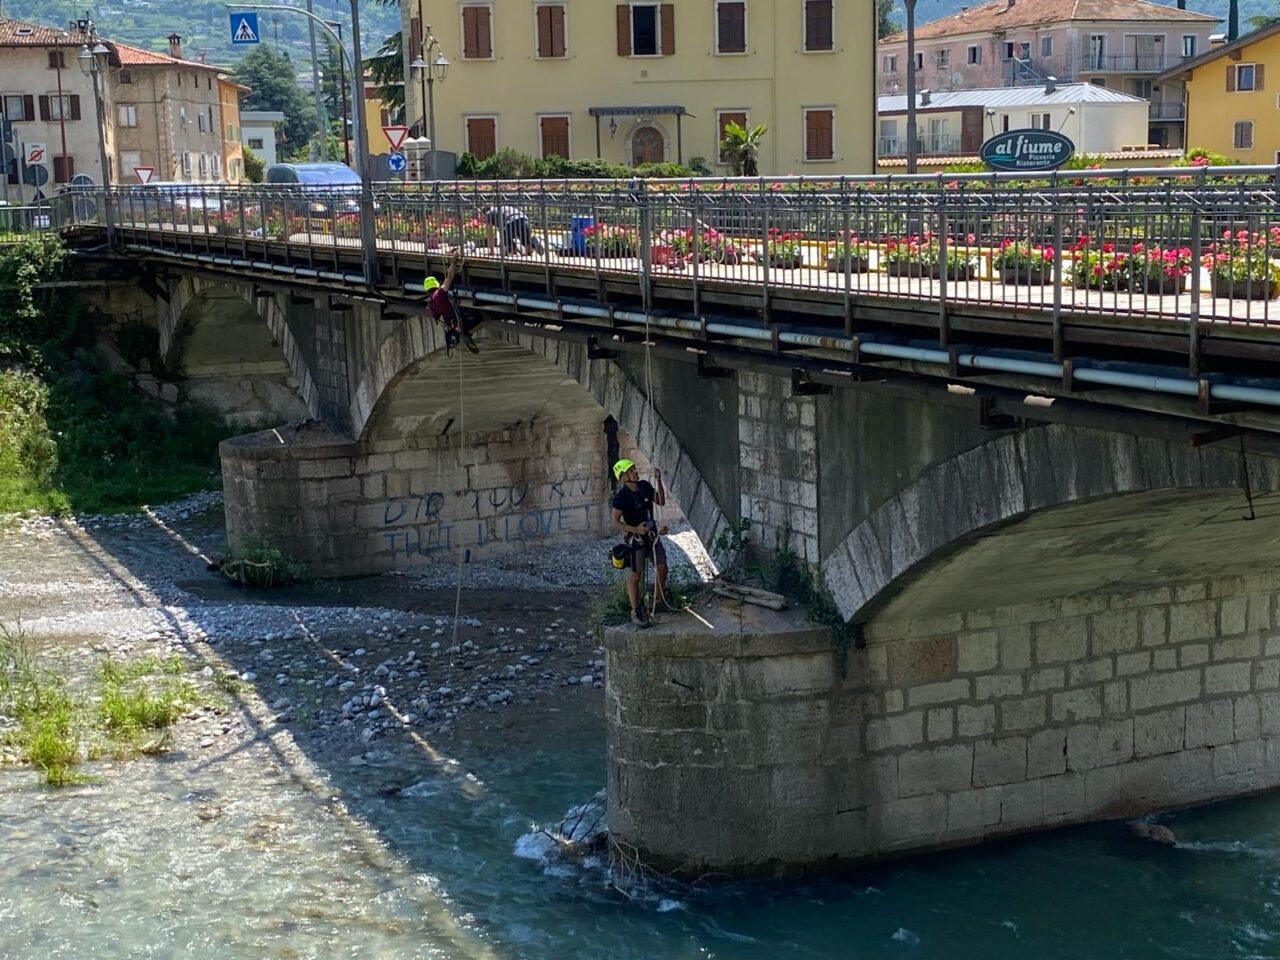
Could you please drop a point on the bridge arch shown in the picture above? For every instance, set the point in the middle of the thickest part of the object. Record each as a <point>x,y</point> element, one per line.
<point>1013,477</point>
<point>237,350</point>
<point>409,379</point>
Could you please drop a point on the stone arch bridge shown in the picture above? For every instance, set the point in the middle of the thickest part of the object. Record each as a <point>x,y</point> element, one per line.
<point>1060,612</point>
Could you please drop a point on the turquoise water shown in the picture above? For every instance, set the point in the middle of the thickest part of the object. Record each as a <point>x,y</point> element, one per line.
<point>257,854</point>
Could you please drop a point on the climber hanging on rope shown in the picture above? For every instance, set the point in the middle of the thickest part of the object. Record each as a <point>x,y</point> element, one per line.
<point>633,515</point>
<point>443,309</point>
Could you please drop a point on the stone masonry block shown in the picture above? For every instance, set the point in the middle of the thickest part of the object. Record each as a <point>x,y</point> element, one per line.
<point>1099,745</point>
<point>1046,753</point>
<point>1193,621</point>
<point>1046,678</point>
<point>1155,626</point>
<point>941,724</point>
<point>1064,798</point>
<point>890,733</point>
<point>920,661</point>
<point>1076,705</point>
<point>1115,631</point>
<point>1193,654</point>
<point>1059,641</point>
<point>1227,678</point>
<point>1266,675</point>
<point>1021,805</point>
<point>1164,659</point>
<point>1115,698</point>
<point>1017,715</point>
<point>1015,646</point>
<point>998,686</point>
<point>1127,664</point>
<point>936,770</point>
<point>1233,616</point>
<point>977,652</point>
<point>999,761</point>
<point>970,811</point>
<point>1238,648</point>
<point>1163,731</point>
<point>1161,689</point>
<point>895,701</point>
<point>976,721</point>
<point>1092,671</point>
<point>1248,717</point>
<point>1210,724</point>
<point>1190,591</point>
<point>932,693</point>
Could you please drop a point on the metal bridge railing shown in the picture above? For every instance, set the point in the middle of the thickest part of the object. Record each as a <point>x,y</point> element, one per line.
<point>1187,243</point>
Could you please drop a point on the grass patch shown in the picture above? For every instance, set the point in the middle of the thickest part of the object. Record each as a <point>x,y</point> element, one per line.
<point>54,728</point>
<point>264,566</point>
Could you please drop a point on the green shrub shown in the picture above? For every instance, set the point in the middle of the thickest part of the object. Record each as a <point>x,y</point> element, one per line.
<point>264,566</point>
<point>508,164</point>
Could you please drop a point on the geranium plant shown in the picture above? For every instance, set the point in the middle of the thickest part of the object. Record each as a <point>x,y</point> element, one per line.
<point>783,247</point>
<point>609,241</point>
<point>1023,256</point>
<point>1244,257</point>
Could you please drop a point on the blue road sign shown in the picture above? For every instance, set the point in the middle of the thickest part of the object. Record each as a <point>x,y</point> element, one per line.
<point>396,162</point>
<point>244,28</point>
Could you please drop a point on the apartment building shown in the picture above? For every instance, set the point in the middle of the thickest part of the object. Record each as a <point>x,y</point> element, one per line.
<point>1232,107</point>
<point>650,81</point>
<point>229,93</point>
<point>1119,44</point>
<point>158,110</point>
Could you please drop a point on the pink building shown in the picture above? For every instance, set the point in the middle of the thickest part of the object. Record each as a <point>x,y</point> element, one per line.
<point>1120,44</point>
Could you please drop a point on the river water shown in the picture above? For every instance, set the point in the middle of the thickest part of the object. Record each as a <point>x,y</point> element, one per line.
<point>257,839</point>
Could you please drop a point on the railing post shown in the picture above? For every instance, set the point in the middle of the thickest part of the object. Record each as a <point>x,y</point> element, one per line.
<point>641,199</point>
<point>846,229</point>
<point>944,332</point>
<point>695,248</point>
<point>766,311</point>
<point>1193,318</point>
<point>542,220</point>
<point>1057,285</point>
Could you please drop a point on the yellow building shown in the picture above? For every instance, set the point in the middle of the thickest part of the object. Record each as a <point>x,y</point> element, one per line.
<point>378,114</point>
<point>647,81</point>
<point>1231,109</point>
<point>229,107</point>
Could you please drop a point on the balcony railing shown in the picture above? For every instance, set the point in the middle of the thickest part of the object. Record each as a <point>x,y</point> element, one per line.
<point>1127,63</point>
<point>930,145</point>
<point>1168,111</point>
<point>889,147</point>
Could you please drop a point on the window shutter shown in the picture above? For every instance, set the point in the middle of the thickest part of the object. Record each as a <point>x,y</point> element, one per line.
<point>1231,78</point>
<point>415,35</point>
<point>624,30</point>
<point>75,106</point>
<point>483,36</point>
<point>44,109</point>
<point>64,168</point>
<point>481,137</point>
<point>1257,77</point>
<point>28,107</point>
<point>555,137</point>
<point>667,13</point>
<point>731,28</point>
<point>557,31</point>
<point>818,144</point>
<point>817,32</point>
<point>544,31</point>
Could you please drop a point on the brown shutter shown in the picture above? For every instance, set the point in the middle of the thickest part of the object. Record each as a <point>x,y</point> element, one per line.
<point>731,28</point>
<point>64,168</point>
<point>624,30</point>
<point>544,31</point>
<point>667,13</point>
<point>557,30</point>
<point>44,109</point>
<point>484,37</point>
<point>75,106</point>
<point>725,119</point>
<point>28,107</point>
<point>482,137</point>
<point>818,145</point>
<point>475,33</point>
<point>1257,76</point>
<point>1231,78</point>
<point>817,21</point>
<point>971,131</point>
<point>415,36</point>
<point>555,137</point>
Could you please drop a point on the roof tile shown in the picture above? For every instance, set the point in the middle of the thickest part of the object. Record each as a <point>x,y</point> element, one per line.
<point>1011,14</point>
<point>19,33</point>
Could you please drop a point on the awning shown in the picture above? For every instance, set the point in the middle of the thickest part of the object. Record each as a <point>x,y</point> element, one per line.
<point>642,111</point>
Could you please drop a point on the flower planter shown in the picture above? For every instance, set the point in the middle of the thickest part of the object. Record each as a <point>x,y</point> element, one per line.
<point>857,264</point>
<point>931,271</point>
<point>1026,276</point>
<point>1161,286</point>
<point>1243,289</point>
<point>793,262</point>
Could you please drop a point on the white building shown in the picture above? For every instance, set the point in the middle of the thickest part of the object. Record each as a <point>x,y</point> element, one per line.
<point>955,123</point>
<point>258,132</point>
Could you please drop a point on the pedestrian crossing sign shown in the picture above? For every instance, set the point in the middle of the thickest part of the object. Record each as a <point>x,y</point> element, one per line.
<point>244,28</point>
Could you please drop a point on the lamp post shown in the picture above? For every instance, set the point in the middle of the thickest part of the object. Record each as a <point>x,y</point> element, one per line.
<point>912,148</point>
<point>93,61</point>
<point>368,232</point>
<point>429,70</point>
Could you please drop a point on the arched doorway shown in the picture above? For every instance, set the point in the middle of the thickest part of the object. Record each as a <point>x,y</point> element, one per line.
<point>647,146</point>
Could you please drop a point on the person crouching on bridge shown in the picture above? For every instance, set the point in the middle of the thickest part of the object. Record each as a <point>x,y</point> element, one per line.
<point>633,515</point>
<point>517,234</point>
<point>443,309</point>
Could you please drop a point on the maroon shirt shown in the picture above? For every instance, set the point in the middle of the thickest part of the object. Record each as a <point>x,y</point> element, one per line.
<point>439,303</point>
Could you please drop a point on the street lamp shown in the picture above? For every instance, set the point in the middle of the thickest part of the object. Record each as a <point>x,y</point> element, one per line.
<point>427,77</point>
<point>93,61</point>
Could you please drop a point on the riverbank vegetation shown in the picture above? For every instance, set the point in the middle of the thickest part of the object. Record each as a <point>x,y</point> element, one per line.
<point>53,724</point>
<point>75,435</point>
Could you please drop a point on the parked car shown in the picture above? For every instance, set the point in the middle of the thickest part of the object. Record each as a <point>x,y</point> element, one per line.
<point>339,181</point>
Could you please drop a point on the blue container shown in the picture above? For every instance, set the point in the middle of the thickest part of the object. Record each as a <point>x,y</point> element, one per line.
<point>577,237</point>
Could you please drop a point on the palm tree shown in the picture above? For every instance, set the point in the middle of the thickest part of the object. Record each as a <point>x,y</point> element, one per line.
<point>741,145</point>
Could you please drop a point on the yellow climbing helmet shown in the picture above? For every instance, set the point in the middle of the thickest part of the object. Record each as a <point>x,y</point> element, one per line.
<point>621,467</point>
<point>430,284</point>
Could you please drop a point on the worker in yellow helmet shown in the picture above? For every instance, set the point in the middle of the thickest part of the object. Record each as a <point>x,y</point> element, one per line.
<point>444,310</point>
<point>633,515</point>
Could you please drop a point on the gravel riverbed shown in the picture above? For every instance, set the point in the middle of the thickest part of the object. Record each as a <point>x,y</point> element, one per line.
<point>340,664</point>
